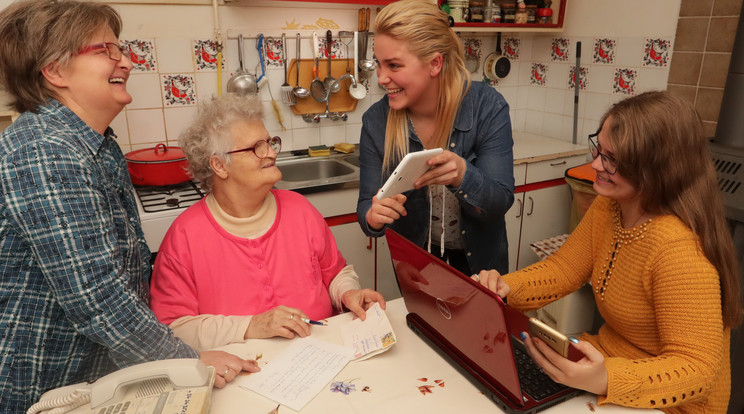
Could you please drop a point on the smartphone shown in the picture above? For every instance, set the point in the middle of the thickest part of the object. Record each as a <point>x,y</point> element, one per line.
<point>554,339</point>
<point>411,167</point>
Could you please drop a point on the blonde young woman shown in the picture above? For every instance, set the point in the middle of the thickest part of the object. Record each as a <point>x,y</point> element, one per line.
<point>458,207</point>
<point>657,251</point>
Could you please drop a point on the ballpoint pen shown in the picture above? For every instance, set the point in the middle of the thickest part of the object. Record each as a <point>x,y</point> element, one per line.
<point>312,322</point>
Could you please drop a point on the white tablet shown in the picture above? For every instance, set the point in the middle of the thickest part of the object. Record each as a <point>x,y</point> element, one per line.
<point>409,170</point>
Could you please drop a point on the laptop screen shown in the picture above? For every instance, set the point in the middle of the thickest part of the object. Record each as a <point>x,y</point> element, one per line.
<point>469,317</point>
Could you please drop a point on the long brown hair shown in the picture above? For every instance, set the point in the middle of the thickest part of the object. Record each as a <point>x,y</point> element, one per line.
<point>661,149</point>
<point>425,30</point>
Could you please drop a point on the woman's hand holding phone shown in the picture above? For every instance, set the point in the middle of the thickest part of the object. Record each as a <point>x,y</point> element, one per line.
<point>385,211</point>
<point>588,373</point>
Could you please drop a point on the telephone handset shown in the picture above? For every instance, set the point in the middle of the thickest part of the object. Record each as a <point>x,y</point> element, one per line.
<point>172,385</point>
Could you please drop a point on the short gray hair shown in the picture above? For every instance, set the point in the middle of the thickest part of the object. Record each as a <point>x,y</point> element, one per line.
<point>209,133</point>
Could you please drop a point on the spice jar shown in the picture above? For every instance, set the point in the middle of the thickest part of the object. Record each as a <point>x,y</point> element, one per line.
<point>532,14</point>
<point>476,11</point>
<point>544,16</point>
<point>520,15</point>
<point>507,13</point>
<point>495,13</point>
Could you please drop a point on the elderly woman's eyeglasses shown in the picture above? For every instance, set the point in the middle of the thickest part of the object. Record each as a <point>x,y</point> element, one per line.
<point>608,163</point>
<point>113,50</point>
<point>261,148</point>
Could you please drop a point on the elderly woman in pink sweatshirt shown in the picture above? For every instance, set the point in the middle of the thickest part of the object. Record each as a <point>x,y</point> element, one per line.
<point>247,261</point>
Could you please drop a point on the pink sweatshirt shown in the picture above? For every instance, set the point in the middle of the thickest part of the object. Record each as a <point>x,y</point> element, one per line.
<point>203,269</point>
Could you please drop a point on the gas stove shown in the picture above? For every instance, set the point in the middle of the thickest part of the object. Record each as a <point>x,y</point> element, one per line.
<point>159,206</point>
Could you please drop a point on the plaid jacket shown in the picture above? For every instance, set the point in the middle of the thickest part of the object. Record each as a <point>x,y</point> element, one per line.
<point>74,265</point>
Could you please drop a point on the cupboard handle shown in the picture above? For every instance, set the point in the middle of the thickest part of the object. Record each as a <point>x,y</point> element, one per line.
<point>521,208</point>
<point>369,243</point>
<point>555,164</point>
<point>532,206</point>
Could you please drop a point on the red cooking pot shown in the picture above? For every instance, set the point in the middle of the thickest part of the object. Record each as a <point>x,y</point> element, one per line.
<point>158,166</point>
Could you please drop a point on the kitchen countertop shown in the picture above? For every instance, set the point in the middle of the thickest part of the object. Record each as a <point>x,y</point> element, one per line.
<point>533,148</point>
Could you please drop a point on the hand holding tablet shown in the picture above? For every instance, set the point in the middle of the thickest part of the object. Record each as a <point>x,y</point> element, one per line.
<point>411,167</point>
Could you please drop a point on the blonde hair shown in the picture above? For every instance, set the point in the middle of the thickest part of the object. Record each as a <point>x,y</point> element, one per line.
<point>209,133</point>
<point>37,33</point>
<point>660,147</point>
<point>426,31</point>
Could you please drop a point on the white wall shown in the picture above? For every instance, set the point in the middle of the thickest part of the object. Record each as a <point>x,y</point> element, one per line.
<point>544,109</point>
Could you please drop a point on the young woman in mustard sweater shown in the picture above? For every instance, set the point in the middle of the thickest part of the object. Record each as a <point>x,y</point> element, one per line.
<point>658,254</point>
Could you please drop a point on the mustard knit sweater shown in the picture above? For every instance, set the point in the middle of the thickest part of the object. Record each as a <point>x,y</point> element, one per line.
<point>663,339</point>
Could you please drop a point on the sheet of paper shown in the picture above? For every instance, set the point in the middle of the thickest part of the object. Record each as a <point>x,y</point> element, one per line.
<point>372,336</point>
<point>299,373</point>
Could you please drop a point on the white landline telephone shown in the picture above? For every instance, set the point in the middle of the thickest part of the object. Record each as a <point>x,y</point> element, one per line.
<point>159,387</point>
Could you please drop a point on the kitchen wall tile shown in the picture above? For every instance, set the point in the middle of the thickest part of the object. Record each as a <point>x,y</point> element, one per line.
<point>651,79</point>
<point>726,7</point>
<point>305,137</point>
<point>686,92</point>
<point>691,34</point>
<point>119,125</point>
<point>526,47</point>
<point>600,78</point>
<point>554,100</point>
<point>624,81</point>
<point>629,51</point>
<point>353,132</point>
<point>174,55</point>
<point>541,50</point>
<point>587,43</point>
<point>690,8</point>
<point>656,52</point>
<point>512,47</point>
<point>513,120</point>
<point>604,51</point>
<point>287,140</point>
<point>146,126</point>
<point>510,95</point>
<point>514,78</point>
<point>708,103</point>
<point>205,55</point>
<point>583,77</point>
<point>567,129</point>
<point>178,89</point>
<point>596,105</point>
<point>560,49</point>
<point>206,86</point>
<point>522,96</point>
<point>715,69</point>
<point>556,75</point>
<point>569,105</point>
<point>333,134</point>
<point>552,125</point>
<point>144,145</point>
<point>177,120</point>
<point>685,68</point>
<point>720,37</point>
<point>518,119</point>
<point>145,91</point>
<point>534,122</point>
<point>539,74</point>
<point>141,52</point>
<point>536,99</point>
<point>271,120</point>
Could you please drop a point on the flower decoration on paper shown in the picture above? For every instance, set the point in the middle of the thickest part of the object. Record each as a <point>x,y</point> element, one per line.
<point>141,53</point>
<point>656,52</point>
<point>624,81</point>
<point>274,56</point>
<point>178,90</point>
<point>583,75</point>
<point>427,388</point>
<point>511,48</point>
<point>538,74</point>
<point>205,55</point>
<point>473,47</point>
<point>343,387</point>
<point>604,51</point>
<point>559,50</point>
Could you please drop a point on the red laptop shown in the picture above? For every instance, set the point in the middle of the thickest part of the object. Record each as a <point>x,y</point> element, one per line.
<point>473,329</point>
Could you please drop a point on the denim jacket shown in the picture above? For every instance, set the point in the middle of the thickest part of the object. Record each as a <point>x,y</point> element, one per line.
<point>482,136</point>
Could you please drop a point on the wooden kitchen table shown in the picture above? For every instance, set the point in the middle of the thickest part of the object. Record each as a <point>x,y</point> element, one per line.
<point>393,379</point>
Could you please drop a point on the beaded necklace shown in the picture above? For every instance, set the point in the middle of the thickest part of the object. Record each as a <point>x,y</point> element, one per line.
<point>620,237</point>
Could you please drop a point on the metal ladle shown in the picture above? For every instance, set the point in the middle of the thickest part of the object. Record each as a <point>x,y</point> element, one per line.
<point>298,90</point>
<point>242,83</point>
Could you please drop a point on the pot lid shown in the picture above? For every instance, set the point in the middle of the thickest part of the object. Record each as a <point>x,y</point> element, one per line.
<point>159,153</point>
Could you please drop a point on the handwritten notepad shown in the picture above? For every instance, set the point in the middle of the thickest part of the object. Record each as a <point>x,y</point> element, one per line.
<point>299,373</point>
<point>370,337</point>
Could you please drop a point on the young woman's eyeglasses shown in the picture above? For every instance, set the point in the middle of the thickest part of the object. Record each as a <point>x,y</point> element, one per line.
<point>113,50</point>
<point>261,148</point>
<point>608,163</point>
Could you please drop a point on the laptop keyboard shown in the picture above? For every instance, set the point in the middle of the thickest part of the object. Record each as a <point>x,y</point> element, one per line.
<point>534,382</point>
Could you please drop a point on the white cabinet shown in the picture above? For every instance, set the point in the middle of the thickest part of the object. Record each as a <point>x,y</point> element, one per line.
<point>358,250</point>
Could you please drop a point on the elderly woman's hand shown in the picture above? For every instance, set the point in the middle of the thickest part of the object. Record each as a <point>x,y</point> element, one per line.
<point>359,300</point>
<point>280,321</point>
<point>227,366</point>
<point>493,281</point>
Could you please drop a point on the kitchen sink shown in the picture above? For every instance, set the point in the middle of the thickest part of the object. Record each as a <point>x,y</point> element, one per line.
<point>309,174</point>
<point>313,170</point>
